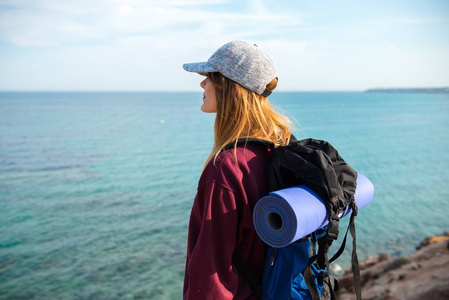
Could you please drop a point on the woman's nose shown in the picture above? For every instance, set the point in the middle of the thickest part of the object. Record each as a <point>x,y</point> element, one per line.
<point>202,83</point>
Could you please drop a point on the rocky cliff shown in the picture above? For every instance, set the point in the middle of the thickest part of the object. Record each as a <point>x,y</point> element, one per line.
<point>421,275</point>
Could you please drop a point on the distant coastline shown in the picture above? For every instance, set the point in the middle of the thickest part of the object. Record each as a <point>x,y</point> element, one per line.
<point>443,90</point>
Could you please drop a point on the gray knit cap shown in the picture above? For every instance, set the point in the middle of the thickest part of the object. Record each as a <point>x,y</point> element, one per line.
<point>241,62</point>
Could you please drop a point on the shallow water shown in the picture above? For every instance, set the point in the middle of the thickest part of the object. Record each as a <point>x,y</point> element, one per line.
<point>96,188</point>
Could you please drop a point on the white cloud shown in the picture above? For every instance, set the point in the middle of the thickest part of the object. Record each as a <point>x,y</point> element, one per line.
<point>66,23</point>
<point>141,45</point>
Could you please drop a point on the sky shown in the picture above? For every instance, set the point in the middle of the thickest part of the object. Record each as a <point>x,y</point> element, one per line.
<point>136,45</point>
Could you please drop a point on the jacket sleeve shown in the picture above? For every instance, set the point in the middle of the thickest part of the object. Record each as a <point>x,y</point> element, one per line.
<point>212,238</point>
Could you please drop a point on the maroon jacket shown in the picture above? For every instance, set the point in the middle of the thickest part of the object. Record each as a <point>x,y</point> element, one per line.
<point>221,223</point>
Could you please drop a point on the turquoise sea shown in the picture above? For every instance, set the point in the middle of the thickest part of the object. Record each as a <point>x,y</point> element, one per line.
<point>96,188</point>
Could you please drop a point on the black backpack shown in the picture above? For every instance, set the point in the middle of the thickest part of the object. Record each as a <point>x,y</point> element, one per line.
<point>316,164</point>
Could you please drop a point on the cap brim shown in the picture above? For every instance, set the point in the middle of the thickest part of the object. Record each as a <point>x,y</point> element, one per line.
<point>200,67</point>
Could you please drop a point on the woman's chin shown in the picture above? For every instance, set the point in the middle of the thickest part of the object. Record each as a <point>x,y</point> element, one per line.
<point>207,109</point>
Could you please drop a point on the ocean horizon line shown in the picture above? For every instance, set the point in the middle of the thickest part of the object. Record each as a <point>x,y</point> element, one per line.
<point>439,90</point>
<point>165,91</point>
<point>399,89</point>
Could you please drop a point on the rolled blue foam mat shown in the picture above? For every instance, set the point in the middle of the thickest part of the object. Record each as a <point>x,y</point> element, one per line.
<point>285,216</point>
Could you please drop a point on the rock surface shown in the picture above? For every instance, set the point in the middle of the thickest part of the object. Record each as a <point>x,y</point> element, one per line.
<point>421,275</point>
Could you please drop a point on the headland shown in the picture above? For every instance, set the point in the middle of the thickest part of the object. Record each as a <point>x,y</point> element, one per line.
<point>420,275</point>
<point>441,90</point>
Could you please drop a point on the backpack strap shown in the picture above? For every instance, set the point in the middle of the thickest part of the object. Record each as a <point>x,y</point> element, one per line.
<point>241,268</point>
<point>355,261</point>
<point>243,271</point>
<point>308,278</point>
<point>324,244</point>
<point>332,289</point>
<point>323,262</point>
<point>354,258</point>
<point>245,141</point>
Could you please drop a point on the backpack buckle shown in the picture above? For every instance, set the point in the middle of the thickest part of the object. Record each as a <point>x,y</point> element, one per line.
<point>332,232</point>
<point>332,236</point>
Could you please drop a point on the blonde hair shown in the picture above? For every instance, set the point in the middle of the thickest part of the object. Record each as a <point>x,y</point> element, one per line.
<point>242,113</point>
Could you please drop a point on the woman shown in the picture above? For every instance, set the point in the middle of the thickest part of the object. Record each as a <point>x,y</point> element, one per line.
<point>239,78</point>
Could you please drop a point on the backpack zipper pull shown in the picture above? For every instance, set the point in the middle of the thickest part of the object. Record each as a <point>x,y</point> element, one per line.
<point>273,254</point>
